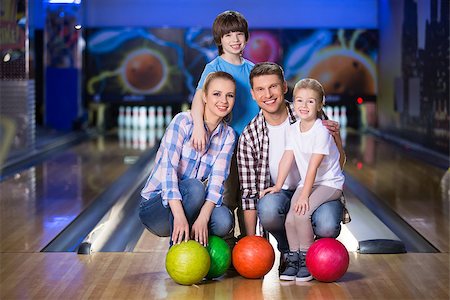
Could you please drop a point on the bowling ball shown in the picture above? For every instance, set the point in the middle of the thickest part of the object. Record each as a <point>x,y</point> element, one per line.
<point>144,71</point>
<point>188,262</point>
<point>220,255</point>
<point>262,46</point>
<point>327,259</point>
<point>253,257</point>
<point>341,74</point>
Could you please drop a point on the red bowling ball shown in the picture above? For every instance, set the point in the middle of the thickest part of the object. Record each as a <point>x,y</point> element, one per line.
<point>327,260</point>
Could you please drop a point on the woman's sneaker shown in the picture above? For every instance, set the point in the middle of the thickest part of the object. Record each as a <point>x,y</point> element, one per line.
<point>291,267</point>
<point>303,272</point>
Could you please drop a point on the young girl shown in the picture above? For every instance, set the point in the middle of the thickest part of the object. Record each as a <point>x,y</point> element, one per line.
<point>317,158</point>
<point>183,194</point>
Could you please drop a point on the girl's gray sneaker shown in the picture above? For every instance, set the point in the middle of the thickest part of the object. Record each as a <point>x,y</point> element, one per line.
<point>303,272</point>
<point>291,266</point>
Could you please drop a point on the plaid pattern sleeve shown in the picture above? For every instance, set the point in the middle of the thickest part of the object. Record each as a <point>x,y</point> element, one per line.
<point>171,145</point>
<point>253,164</point>
<point>221,166</point>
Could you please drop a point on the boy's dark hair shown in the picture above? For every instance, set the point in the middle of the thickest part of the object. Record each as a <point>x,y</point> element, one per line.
<point>266,68</point>
<point>226,22</point>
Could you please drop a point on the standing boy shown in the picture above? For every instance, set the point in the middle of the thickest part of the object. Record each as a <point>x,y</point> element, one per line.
<point>230,31</point>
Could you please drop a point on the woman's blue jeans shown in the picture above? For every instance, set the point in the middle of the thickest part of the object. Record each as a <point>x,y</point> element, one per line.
<point>159,219</point>
<point>273,208</point>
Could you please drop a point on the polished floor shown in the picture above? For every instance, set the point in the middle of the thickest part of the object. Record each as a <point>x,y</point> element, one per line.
<point>36,204</point>
<point>418,192</point>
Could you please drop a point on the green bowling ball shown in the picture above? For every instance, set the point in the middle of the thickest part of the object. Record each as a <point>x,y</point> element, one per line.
<point>188,262</point>
<point>220,255</point>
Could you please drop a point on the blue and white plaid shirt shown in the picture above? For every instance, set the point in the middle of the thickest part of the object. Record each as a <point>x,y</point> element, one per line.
<point>177,160</point>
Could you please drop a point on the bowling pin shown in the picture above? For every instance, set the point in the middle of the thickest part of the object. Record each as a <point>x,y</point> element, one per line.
<point>168,115</point>
<point>135,117</point>
<point>121,117</point>
<point>127,117</point>
<point>336,113</point>
<point>329,112</point>
<point>135,138</point>
<point>142,117</point>
<point>160,117</point>
<point>343,119</point>
<point>128,137</point>
<point>151,117</point>
<point>151,137</point>
<point>142,139</point>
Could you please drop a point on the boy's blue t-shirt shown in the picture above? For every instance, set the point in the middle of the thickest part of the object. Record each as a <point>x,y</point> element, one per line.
<point>245,108</point>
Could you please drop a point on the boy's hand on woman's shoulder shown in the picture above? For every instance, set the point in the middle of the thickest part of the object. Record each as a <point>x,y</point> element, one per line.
<point>198,138</point>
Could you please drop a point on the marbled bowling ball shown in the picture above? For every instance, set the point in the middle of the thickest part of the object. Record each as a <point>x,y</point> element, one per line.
<point>253,257</point>
<point>188,262</point>
<point>144,71</point>
<point>327,260</point>
<point>340,74</point>
<point>220,255</point>
<point>262,46</point>
<point>259,49</point>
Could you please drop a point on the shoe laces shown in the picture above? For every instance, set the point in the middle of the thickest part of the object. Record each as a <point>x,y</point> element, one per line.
<point>290,262</point>
<point>302,259</point>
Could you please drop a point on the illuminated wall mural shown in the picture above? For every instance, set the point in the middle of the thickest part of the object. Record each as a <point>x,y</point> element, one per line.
<point>165,64</point>
<point>135,64</point>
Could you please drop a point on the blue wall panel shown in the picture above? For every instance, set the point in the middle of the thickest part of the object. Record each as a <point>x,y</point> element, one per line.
<point>187,13</point>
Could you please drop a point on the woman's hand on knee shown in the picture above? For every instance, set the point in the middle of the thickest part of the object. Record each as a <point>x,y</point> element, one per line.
<point>180,229</point>
<point>200,231</point>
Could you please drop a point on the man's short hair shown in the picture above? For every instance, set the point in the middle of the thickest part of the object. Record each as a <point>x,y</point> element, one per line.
<point>266,68</point>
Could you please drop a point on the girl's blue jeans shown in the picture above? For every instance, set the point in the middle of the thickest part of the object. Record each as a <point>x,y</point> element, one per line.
<point>273,208</point>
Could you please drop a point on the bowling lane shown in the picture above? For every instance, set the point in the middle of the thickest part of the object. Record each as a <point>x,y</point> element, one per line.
<point>409,186</point>
<point>36,204</point>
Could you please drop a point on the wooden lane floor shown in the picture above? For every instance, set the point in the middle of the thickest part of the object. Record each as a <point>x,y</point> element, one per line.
<point>143,276</point>
<point>36,204</point>
<point>413,189</point>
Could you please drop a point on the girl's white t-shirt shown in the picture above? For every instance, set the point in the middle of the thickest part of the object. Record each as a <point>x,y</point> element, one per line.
<point>277,142</point>
<point>316,140</point>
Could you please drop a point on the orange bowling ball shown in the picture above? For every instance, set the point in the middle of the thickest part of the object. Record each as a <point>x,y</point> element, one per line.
<point>342,74</point>
<point>144,71</point>
<point>253,257</point>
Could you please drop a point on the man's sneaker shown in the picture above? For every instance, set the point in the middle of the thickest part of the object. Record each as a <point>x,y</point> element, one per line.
<point>303,272</point>
<point>282,265</point>
<point>291,267</point>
